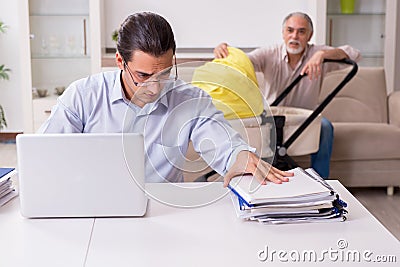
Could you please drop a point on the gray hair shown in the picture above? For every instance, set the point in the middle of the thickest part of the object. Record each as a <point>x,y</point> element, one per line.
<point>299,14</point>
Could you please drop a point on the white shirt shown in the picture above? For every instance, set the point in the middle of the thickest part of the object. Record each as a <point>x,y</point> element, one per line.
<point>273,62</point>
<point>181,113</point>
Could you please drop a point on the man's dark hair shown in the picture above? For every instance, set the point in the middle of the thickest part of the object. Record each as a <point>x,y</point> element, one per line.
<point>146,32</point>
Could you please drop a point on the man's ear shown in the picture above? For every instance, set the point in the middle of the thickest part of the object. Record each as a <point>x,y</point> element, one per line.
<point>309,38</point>
<point>120,61</point>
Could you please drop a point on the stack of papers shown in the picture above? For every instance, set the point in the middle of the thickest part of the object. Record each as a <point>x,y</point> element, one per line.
<point>305,198</point>
<point>7,192</point>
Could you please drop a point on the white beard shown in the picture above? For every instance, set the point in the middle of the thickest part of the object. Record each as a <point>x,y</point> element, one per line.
<point>293,50</point>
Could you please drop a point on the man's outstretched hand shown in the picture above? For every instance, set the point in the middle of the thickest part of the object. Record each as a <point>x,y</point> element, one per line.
<point>248,162</point>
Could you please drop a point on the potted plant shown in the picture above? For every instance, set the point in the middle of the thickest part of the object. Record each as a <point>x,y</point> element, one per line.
<point>3,76</point>
<point>114,35</point>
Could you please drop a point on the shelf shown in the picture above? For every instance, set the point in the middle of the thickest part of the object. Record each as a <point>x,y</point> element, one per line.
<point>372,55</point>
<point>59,15</point>
<point>61,57</point>
<point>363,30</point>
<point>356,14</point>
<point>51,96</point>
<point>49,42</point>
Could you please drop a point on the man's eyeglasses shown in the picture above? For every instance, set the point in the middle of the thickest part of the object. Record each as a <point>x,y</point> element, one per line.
<point>163,76</point>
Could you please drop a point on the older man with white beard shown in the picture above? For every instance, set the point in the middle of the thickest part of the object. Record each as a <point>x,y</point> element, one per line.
<point>281,64</point>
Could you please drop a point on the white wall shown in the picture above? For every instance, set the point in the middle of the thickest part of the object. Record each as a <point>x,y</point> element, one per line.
<point>206,23</point>
<point>16,94</point>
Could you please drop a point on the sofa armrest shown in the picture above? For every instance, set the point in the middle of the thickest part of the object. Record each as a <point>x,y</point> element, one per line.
<point>394,108</point>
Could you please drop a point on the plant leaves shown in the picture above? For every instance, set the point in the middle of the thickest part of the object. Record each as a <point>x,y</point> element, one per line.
<point>3,122</point>
<point>3,27</point>
<point>4,72</point>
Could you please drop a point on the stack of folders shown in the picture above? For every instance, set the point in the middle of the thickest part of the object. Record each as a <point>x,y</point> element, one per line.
<point>7,192</point>
<point>305,198</point>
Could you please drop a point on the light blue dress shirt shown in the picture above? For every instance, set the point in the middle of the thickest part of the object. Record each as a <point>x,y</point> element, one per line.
<point>182,113</point>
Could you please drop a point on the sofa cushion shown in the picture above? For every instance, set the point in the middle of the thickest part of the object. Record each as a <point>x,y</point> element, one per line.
<point>364,141</point>
<point>363,99</point>
<point>362,173</point>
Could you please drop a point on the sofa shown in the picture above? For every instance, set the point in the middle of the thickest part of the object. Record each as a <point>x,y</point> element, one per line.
<point>366,146</point>
<point>366,120</point>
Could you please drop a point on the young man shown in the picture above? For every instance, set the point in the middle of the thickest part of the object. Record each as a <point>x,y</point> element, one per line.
<point>281,64</point>
<point>146,97</point>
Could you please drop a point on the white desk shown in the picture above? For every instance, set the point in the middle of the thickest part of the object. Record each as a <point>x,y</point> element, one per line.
<point>41,242</point>
<point>211,235</point>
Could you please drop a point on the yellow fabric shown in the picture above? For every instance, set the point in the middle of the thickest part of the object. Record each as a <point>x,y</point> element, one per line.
<point>232,84</point>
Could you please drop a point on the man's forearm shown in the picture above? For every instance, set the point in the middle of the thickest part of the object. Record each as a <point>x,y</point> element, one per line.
<point>336,53</point>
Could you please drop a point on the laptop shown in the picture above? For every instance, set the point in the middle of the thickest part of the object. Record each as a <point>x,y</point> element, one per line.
<point>81,175</point>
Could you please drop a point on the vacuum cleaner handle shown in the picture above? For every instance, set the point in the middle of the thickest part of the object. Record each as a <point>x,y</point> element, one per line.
<point>326,101</point>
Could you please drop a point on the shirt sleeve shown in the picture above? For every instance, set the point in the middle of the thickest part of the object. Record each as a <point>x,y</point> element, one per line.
<point>216,141</point>
<point>264,59</point>
<point>63,119</point>
<point>257,57</point>
<point>352,53</point>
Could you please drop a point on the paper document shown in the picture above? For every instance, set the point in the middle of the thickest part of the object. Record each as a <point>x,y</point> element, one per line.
<point>299,188</point>
<point>7,192</point>
<point>305,198</point>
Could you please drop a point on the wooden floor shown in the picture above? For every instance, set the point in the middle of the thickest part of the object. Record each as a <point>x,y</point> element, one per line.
<point>385,208</point>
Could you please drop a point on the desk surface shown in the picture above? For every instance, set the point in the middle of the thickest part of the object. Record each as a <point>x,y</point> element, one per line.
<point>207,235</point>
<point>41,242</point>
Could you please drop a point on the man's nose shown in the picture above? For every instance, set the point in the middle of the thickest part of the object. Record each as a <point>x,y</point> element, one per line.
<point>295,34</point>
<point>154,88</point>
